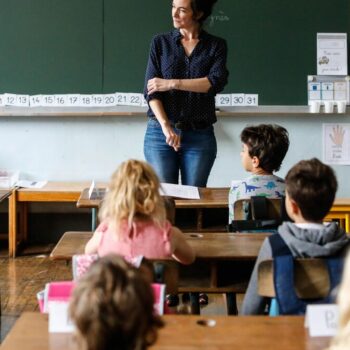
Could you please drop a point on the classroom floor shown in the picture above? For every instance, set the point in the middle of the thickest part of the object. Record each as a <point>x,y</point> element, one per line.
<point>22,278</point>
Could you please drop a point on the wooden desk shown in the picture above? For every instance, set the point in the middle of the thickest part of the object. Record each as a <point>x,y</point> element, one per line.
<point>340,211</point>
<point>51,192</point>
<point>210,198</point>
<point>30,332</point>
<point>211,249</point>
<point>217,197</point>
<point>207,246</point>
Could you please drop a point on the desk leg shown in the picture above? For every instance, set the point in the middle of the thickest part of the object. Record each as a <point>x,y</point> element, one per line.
<point>23,211</point>
<point>231,303</point>
<point>13,224</point>
<point>199,219</point>
<point>93,219</point>
<point>195,308</point>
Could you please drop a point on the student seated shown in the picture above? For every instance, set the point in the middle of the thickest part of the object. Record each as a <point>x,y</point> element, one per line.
<point>310,191</point>
<point>112,307</point>
<point>263,150</point>
<point>133,219</point>
<point>342,340</point>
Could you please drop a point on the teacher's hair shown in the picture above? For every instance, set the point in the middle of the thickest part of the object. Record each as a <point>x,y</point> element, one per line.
<point>203,8</point>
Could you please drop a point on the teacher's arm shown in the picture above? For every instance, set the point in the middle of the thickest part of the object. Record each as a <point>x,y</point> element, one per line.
<point>172,139</point>
<point>213,83</point>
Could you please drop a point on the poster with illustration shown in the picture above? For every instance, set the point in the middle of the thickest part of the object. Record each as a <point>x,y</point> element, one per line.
<point>336,144</point>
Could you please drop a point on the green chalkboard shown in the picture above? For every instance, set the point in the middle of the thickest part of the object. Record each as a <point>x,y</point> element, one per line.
<point>51,46</point>
<point>94,46</point>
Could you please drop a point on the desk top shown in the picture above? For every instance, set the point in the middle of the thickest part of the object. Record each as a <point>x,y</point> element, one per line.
<point>30,332</point>
<point>207,246</point>
<point>54,191</point>
<point>210,197</point>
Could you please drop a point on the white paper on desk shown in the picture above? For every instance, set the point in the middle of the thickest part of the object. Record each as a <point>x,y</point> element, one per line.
<point>322,319</point>
<point>179,191</point>
<point>31,184</point>
<point>59,322</point>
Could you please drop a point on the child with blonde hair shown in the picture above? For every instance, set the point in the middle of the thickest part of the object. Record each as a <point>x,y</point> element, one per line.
<point>112,307</point>
<point>133,218</point>
<point>342,339</point>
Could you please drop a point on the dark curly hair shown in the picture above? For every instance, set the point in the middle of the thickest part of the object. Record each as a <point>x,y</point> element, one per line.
<point>312,185</point>
<point>112,307</point>
<point>269,143</point>
<point>204,7</point>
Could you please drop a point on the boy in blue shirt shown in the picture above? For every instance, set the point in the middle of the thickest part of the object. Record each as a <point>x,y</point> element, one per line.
<point>263,150</point>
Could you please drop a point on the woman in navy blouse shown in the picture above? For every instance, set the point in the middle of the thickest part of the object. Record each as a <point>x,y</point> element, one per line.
<point>186,69</point>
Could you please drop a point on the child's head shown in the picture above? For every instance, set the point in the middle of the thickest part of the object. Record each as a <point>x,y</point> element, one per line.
<point>112,307</point>
<point>133,194</point>
<point>264,147</point>
<point>311,186</point>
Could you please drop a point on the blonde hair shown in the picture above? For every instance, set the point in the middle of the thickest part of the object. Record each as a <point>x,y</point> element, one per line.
<point>112,307</point>
<point>342,340</point>
<point>133,194</point>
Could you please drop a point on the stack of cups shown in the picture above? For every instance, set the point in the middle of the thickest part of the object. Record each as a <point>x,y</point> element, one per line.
<point>315,106</point>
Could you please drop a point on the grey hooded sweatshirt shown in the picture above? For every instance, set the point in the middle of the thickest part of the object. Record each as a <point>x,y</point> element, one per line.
<point>318,241</point>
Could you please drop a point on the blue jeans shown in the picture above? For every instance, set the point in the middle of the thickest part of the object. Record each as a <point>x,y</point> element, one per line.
<point>193,161</point>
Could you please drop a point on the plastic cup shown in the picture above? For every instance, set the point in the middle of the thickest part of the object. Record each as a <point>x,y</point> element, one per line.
<point>328,106</point>
<point>341,106</point>
<point>314,106</point>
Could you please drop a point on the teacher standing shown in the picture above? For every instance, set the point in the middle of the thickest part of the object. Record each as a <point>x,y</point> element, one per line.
<point>186,69</point>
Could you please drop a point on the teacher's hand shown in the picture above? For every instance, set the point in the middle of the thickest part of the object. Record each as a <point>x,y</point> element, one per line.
<point>158,84</point>
<point>172,139</point>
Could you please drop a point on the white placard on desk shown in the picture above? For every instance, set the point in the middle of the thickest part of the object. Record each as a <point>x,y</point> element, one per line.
<point>179,191</point>
<point>322,319</point>
<point>332,58</point>
<point>59,322</point>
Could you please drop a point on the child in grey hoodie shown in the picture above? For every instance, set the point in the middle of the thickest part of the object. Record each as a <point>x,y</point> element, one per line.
<point>310,191</point>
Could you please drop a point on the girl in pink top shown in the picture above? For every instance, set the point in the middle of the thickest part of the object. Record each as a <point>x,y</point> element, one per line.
<point>133,218</point>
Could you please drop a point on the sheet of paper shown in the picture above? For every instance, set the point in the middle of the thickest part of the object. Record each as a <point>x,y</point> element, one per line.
<point>336,144</point>
<point>332,54</point>
<point>322,319</point>
<point>31,184</point>
<point>179,191</point>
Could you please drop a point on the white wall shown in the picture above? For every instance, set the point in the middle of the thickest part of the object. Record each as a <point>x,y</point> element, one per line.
<point>79,148</point>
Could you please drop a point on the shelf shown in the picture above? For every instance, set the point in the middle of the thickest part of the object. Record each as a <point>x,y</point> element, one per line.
<point>141,111</point>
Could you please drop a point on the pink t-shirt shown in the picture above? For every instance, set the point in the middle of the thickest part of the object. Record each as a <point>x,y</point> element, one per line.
<point>142,238</point>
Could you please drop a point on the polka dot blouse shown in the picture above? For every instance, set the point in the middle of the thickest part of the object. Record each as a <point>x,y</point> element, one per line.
<point>168,60</point>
